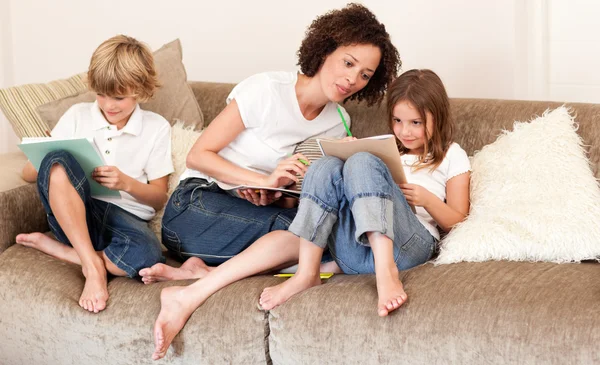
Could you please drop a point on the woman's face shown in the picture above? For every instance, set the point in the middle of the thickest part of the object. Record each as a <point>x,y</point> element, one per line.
<point>348,69</point>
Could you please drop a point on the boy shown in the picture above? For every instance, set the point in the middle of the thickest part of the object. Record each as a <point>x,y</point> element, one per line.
<point>107,234</point>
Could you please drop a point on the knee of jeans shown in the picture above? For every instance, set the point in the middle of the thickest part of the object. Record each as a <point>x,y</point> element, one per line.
<point>361,161</point>
<point>325,169</point>
<point>61,157</point>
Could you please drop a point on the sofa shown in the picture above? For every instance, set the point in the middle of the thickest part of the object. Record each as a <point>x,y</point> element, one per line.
<point>464,313</point>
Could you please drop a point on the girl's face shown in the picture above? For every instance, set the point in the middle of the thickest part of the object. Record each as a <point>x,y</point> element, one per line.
<point>409,127</point>
<point>348,69</point>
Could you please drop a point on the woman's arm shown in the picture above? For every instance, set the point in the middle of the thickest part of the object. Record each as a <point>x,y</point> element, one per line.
<point>29,174</point>
<point>221,132</point>
<point>457,205</point>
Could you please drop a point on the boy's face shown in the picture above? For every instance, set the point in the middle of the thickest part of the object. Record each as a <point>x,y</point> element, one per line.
<point>116,110</point>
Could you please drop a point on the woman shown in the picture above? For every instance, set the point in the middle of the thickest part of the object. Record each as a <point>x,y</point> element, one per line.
<point>346,54</point>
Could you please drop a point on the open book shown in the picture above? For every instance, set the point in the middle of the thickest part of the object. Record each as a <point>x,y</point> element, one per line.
<point>383,146</point>
<point>284,191</point>
<point>84,150</point>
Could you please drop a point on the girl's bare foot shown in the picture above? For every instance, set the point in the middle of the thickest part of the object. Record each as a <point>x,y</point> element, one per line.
<point>175,309</point>
<point>273,296</point>
<point>390,291</point>
<point>192,268</point>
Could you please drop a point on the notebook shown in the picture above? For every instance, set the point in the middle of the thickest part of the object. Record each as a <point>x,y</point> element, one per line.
<point>84,150</point>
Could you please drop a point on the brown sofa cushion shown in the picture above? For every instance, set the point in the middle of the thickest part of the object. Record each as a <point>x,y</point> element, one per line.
<point>467,313</point>
<point>174,100</point>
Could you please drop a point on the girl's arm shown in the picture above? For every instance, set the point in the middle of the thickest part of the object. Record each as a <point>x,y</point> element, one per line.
<point>204,154</point>
<point>29,174</point>
<point>457,205</point>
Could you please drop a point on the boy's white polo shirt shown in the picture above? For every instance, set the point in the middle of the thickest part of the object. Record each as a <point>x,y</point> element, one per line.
<point>141,149</point>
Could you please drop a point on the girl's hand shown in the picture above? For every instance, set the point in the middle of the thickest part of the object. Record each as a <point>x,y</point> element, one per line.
<point>112,178</point>
<point>416,194</point>
<point>285,173</point>
<point>260,197</point>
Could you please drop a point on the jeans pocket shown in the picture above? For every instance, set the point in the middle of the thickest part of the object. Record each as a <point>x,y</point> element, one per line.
<point>413,252</point>
<point>171,240</point>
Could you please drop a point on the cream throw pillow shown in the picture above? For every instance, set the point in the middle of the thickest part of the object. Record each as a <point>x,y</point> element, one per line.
<point>533,198</point>
<point>182,139</point>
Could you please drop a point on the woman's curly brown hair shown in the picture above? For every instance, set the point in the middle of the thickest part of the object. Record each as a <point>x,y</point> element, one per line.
<point>353,24</point>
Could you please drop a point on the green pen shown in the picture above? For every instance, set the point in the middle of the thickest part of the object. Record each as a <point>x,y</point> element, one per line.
<point>301,160</point>
<point>344,120</point>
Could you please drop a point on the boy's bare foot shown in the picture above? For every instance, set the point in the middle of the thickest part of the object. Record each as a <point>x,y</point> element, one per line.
<point>390,291</point>
<point>47,245</point>
<point>273,296</point>
<point>175,310</point>
<point>193,268</point>
<point>95,292</point>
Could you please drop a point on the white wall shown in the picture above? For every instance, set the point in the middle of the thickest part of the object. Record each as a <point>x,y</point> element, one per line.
<point>8,139</point>
<point>532,49</point>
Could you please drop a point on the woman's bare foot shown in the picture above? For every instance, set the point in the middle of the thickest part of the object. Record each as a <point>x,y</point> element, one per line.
<point>95,292</point>
<point>390,291</point>
<point>193,268</point>
<point>175,309</point>
<point>49,246</point>
<point>273,296</point>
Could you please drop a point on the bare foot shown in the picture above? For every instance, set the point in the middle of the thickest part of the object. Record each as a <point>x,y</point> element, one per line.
<point>175,310</point>
<point>273,296</point>
<point>390,291</point>
<point>193,268</point>
<point>95,291</point>
<point>47,245</point>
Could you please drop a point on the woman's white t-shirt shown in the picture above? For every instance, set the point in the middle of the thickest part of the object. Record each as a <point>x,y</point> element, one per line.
<point>274,123</point>
<point>455,162</point>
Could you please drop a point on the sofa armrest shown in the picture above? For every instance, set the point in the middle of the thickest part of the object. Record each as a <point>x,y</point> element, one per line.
<point>20,207</point>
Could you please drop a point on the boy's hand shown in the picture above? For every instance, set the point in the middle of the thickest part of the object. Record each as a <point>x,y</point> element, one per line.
<point>416,194</point>
<point>112,178</point>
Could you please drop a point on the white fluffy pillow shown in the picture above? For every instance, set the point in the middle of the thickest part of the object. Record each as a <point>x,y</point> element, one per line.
<point>533,198</point>
<point>182,140</point>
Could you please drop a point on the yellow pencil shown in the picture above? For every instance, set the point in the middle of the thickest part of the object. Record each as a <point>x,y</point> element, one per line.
<point>323,275</point>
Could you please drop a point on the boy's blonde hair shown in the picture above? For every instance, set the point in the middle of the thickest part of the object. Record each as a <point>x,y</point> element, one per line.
<point>123,66</point>
<point>425,90</point>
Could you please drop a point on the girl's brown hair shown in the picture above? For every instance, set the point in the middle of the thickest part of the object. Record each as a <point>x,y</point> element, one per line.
<point>426,92</point>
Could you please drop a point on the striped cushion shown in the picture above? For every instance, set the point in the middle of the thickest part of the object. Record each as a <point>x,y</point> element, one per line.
<point>311,150</point>
<point>19,103</point>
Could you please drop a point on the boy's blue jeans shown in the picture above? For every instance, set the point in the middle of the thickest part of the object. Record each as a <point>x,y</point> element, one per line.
<point>341,202</point>
<point>125,238</point>
<point>204,221</point>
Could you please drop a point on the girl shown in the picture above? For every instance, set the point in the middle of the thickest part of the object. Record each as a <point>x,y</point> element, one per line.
<point>346,54</point>
<point>357,209</point>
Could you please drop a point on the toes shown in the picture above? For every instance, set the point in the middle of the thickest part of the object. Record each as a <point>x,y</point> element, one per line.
<point>382,312</point>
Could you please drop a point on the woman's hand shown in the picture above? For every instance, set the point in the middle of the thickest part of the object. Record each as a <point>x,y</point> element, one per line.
<point>259,197</point>
<point>416,194</point>
<point>112,178</point>
<point>285,173</point>
<point>348,139</point>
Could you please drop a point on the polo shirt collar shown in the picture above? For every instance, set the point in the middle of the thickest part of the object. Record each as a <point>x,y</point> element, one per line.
<point>133,126</point>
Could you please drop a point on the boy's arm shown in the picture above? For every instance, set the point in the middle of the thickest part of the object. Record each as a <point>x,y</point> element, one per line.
<point>29,173</point>
<point>153,194</point>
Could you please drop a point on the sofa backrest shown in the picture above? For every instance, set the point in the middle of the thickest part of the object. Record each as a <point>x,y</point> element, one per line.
<point>479,121</point>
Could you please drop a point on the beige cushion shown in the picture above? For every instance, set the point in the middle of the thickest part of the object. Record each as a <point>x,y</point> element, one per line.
<point>182,140</point>
<point>18,103</point>
<point>174,100</point>
<point>533,197</point>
